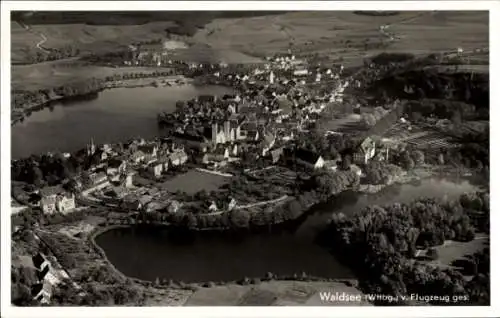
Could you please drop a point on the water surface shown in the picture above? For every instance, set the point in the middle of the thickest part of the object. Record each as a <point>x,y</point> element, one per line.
<point>146,254</point>
<point>115,115</point>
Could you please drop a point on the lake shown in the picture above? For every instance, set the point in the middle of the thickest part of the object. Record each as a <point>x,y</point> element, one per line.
<point>116,115</point>
<point>147,254</point>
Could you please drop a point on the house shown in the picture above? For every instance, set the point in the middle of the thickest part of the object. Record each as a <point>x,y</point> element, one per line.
<point>49,198</point>
<point>357,170</point>
<point>268,142</point>
<point>276,154</point>
<point>46,275</point>
<point>300,72</point>
<point>137,156</point>
<point>178,158</point>
<point>128,180</point>
<point>65,202</point>
<point>309,159</point>
<point>97,178</point>
<point>173,206</point>
<point>155,169</point>
<point>153,206</point>
<point>42,292</point>
<point>218,135</point>
<point>116,166</point>
<point>194,141</point>
<point>247,127</point>
<point>252,135</point>
<point>39,262</point>
<point>131,202</point>
<point>232,204</point>
<point>149,159</point>
<point>365,152</point>
<point>48,204</point>
<point>149,150</point>
<point>212,207</point>
<point>100,155</point>
<point>219,154</point>
<point>164,163</point>
<point>233,150</point>
<point>95,181</point>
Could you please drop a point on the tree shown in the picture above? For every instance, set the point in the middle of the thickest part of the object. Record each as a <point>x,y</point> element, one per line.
<point>432,253</point>
<point>294,209</point>
<point>346,162</point>
<point>369,120</point>
<point>239,218</point>
<point>418,157</point>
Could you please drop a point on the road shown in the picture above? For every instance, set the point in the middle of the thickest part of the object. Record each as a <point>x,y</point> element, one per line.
<point>42,41</point>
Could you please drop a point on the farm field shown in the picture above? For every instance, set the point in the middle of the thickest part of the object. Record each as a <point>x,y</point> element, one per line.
<point>334,33</point>
<point>87,38</point>
<point>246,40</point>
<point>456,250</point>
<point>57,73</point>
<point>194,181</point>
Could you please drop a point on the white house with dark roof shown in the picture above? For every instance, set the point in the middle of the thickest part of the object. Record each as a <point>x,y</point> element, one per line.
<point>178,158</point>
<point>365,152</point>
<point>155,169</point>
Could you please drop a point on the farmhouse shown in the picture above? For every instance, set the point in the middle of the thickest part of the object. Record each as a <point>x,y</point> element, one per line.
<point>365,152</point>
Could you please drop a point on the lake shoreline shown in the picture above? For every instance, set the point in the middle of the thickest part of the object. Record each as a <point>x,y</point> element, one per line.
<point>172,81</point>
<point>269,276</point>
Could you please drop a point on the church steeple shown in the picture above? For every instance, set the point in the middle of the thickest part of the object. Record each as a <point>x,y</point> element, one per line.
<point>91,147</point>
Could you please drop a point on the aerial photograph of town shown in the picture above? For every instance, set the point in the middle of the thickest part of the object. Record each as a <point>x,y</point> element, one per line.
<point>249,158</point>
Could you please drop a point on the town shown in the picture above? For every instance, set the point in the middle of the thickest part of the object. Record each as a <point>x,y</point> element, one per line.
<point>296,132</point>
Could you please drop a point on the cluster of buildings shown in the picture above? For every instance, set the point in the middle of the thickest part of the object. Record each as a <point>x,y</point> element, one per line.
<point>262,120</point>
<point>56,199</point>
<point>274,106</point>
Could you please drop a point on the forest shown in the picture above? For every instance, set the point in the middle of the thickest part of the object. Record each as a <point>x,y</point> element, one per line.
<point>380,243</point>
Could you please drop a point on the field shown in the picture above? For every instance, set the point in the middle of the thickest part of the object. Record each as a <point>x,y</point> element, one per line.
<point>481,68</point>
<point>333,34</point>
<point>344,33</point>
<point>57,73</point>
<point>194,181</point>
<point>276,293</point>
<point>456,250</point>
<point>87,38</point>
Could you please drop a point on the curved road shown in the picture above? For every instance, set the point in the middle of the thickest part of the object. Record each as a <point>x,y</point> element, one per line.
<point>42,41</point>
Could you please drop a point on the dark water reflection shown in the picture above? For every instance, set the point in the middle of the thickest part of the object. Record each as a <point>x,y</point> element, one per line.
<point>148,253</point>
<point>115,115</point>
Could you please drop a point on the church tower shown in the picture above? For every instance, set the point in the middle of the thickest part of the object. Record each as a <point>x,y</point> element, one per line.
<point>271,78</point>
<point>91,147</point>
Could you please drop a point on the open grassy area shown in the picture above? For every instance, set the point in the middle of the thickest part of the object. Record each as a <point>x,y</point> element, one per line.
<point>57,73</point>
<point>455,250</point>
<point>194,181</point>
<point>87,38</point>
<point>336,34</point>
<point>276,293</point>
<point>344,33</point>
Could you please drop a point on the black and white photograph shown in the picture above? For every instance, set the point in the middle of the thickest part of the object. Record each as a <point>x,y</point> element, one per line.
<point>246,157</point>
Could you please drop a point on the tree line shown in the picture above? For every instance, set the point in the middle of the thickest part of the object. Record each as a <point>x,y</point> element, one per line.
<point>380,243</point>
<point>51,54</point>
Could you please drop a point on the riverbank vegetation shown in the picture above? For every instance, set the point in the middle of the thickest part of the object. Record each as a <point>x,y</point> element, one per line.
<point>380,243</point>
